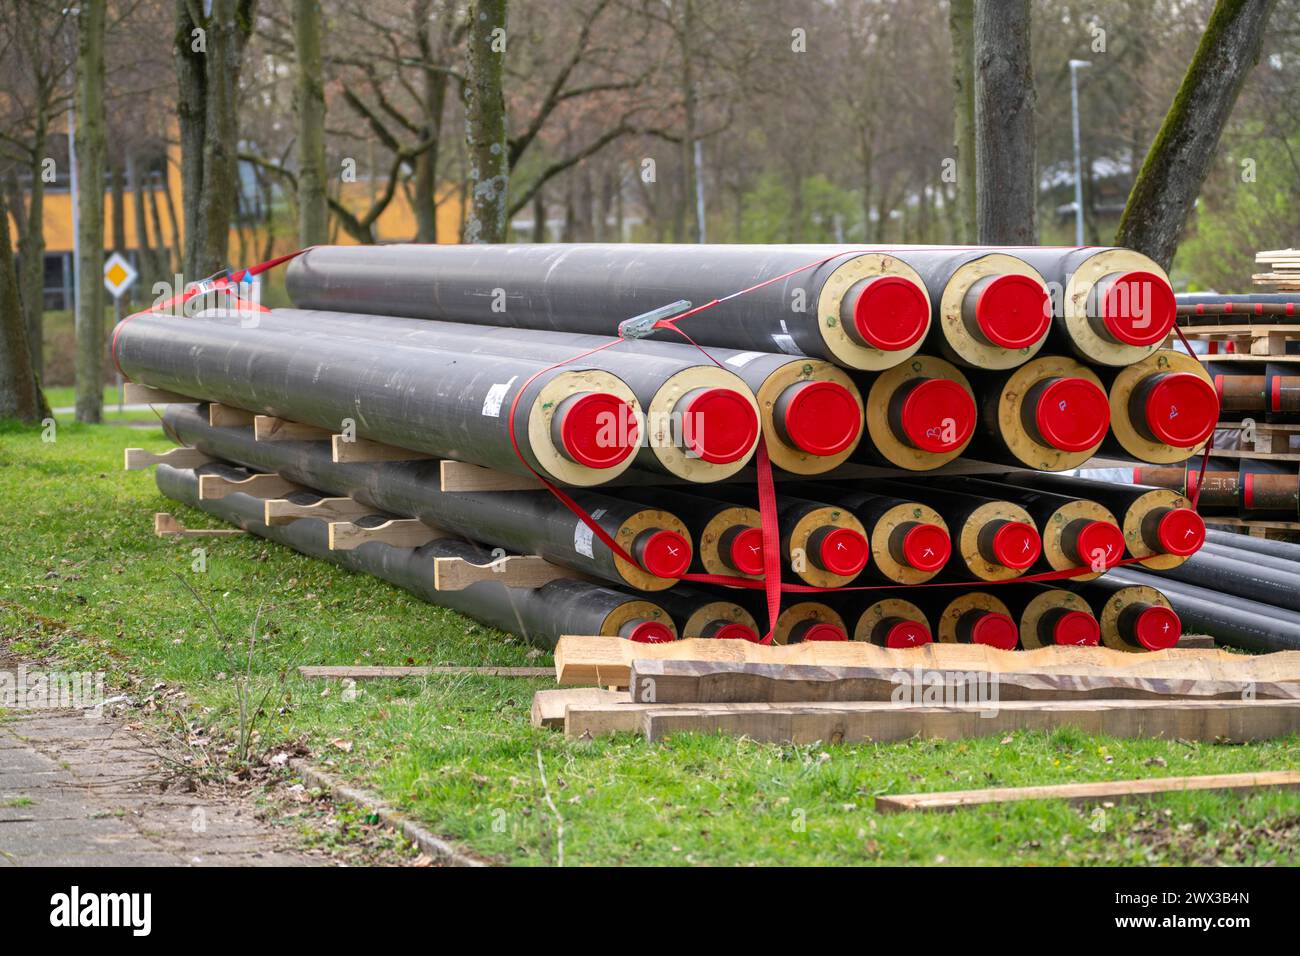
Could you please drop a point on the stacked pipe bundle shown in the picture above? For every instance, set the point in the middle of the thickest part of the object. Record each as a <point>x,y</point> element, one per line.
<point>565,362</point>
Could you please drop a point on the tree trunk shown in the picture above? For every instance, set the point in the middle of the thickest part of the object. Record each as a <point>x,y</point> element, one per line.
<point>31,244</point>
<point>90,213</point>
<point>209,52</point>
<point>20,398</point>
<point>485,123</point>
<point>689,226</point>
<point>1004,124</point>
<point>313,210</point>
<point>1179,160</point>
<point>961,27</point>
<point>425,200</point>
<point>147,261</point>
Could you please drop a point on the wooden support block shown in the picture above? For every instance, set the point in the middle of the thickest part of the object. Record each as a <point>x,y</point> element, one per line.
<point>133,393</point>
<point>362,450</point>
<point>165,524</point>
<point>1103,791</point>
<point>676,682</point>
<point>462,476</point>
<point>549,706</point>
<point>882,721</point>
<point>516,571</point>
<point>212,487</point>
<point>226,416</point>
<point>373,673</point>
<point>279,511</point>
<point>607,661</point>
<point>399,532</point>
<point>270,428</point>
<point>138,459</point>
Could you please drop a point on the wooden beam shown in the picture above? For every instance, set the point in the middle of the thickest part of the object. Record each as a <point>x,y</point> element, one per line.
<point>374,673</point>
<point>270,428</point>
<point>462,476</point>
<point>363,450</point>
<point>398,532</point>
<point>212,487</point>
<point>226,416</point>
<point>549,706</point>
<point>167,525</point>
<point>1103,791</point>
<point>720,682</point>
<point>138,459</point>
<point>606,661</point>
<point>516,571</point>
<point>883,721</point>
<point>278,511</point>
<point>133,393</point>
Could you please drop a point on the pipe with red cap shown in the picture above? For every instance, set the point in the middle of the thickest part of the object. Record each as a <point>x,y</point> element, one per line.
<point>860,310</point>
<point>702,419</point>
<point>969,617</point>
<point>524,522</point>
<point>1134,618</point>
<point>1076,532</point>
<point>920,415</point>
<point>1048,616</point>
<point>700,613</point>
<point>892,620</point>
<point>909,541</point>
<point>994,539</point>
<point>539,615</point>
<point>728,537</point>
<point>1050,414</point>
<point>1162,408</point>
<point>576,425</point>
<point>1157,522</point>
<point>1242,393</point>
<point>1245,542</point>
<point>1238,622</point>
<point>810,621</point>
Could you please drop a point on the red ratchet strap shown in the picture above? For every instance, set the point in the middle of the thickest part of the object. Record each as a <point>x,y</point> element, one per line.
<point>214,283</point>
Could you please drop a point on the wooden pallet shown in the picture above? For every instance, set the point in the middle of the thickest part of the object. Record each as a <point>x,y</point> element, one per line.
<point>1253,339</point>
<point>1254,528</point>
<point>1269,440</point>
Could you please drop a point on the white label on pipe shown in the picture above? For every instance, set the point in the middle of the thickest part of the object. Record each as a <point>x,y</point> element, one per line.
<point>744,358</point>
<point>582,535</point>
<point>495,396</point>
<point>786,344</point>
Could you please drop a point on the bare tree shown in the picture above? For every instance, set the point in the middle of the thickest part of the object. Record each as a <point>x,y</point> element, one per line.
<point>313,210</point>
<point>209,45</point>
<point>485,122</point>
<point>1004,124</point>
<point>1179,160</point>
<point>961,28</point>
<point>91,151</point>
<point>20,396</point>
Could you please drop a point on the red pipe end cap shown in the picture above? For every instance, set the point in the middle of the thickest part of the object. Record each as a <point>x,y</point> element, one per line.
<point>598,429</point>
<point>822,418</point>
<point>1076,627</point>
<point>746,552</point>
<point>938,415</point>
<point>892,313</point>
<point>843,551</point>
<point>995,630</point>
<point>1157,628</point>
<point>1017,545</point>
<point>1072,414</point>
<point>1181,532</point>
<point>908,634</point>
<point>737,632</point>
<point>1182,409</point>
<point>1099,545</point>
<point>820,631</point>
<point>651,632</point>
<point>719,425</point>
<point>665,554</point>
<point>1013,311</point>
<point>927,547</point>
<point>1139,308</point>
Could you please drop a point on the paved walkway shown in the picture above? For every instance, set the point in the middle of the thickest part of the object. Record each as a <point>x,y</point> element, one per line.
<point>88,792</point>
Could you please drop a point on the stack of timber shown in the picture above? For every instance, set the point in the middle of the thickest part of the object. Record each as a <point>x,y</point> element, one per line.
<point>406,418</point>
<point>846,693</point>
<point>1283,267</point>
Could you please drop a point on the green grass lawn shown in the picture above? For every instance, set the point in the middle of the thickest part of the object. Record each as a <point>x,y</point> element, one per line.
<point>84,581</point>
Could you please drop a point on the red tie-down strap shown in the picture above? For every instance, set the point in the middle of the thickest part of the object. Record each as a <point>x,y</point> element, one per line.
<point>227,282</point>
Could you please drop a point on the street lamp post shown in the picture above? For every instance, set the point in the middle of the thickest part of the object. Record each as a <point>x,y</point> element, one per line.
<point>1075,66</point>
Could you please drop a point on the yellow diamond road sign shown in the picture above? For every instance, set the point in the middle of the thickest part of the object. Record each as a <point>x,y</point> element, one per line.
<point>118,275</point>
